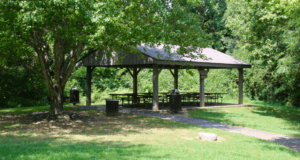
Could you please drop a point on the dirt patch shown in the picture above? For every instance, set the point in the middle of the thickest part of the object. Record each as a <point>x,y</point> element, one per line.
<point>79,122</point>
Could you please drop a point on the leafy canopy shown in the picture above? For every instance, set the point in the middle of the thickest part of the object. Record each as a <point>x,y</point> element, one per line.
<point>48,37</point>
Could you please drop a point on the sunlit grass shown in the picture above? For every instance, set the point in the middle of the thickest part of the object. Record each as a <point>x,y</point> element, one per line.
<point>136,137</point>
<point>169,140</point>
<point>272,119</point>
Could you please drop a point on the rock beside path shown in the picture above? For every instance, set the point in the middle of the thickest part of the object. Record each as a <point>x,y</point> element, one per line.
<point>207,136</point>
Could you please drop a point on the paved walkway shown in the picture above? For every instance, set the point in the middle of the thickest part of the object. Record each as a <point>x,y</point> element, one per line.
<point>289,141</point>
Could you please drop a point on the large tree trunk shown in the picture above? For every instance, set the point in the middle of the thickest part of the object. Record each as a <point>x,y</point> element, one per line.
<point>57,104</point>
<point>63,61</point>
<point>57,101</point>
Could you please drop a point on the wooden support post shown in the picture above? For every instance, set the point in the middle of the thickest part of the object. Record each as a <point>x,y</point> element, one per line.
<point>203,74</point>
<point>176,78</point>
<point>134,76</point>
<point>155,103</point>
<point>89,84</point>
<point>202,100</point>
<point>241,80</point>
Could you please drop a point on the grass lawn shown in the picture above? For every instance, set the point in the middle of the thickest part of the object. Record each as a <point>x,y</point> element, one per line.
<point>271,118</point>
<point>124,137</point>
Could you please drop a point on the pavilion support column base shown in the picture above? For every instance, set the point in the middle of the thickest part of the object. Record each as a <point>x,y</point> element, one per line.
<point>241,80</point>
<point>155,103</point>
<point>203,75</point>
<point>175,75</point>
<point>89,84</point>
<point>176,78</point>
<point>134,75</point>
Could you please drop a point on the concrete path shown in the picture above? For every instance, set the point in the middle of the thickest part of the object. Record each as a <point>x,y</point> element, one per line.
<point>289,141</point>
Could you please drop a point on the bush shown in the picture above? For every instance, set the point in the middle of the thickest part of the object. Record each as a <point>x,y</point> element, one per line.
<point>21,88</point>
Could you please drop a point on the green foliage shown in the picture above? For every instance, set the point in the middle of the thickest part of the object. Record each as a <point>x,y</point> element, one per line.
<point>212,13</point>
<point>48,37</point>
<point>20,88</point>
<point>263,33</point>
<point>268,32</point>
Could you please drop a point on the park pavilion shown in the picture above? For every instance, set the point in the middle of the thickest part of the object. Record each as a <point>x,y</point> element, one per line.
<point>156,57</point>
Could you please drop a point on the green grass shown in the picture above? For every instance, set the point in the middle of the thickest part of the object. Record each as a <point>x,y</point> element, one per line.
<point>25,147</point>
<point>136,137</point>
<point>271,118</point>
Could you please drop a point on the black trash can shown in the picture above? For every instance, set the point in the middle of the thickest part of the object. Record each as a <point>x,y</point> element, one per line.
<point>74,95</point>
<point>175,101</point>
<point>112,107</point>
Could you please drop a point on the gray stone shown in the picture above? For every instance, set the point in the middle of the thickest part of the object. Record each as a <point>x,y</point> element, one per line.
<point>78,121</point>
<point>207,136</point>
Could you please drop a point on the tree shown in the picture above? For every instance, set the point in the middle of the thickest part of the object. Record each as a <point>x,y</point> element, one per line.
<point>268,32</point>
<point>18,87</point>
<point>48,37</point>
<point>212,13</point>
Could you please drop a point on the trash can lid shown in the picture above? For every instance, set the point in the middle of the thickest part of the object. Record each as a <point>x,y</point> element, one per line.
<point>111,99</point>
<point>174,91</point>
<point>74,88</point>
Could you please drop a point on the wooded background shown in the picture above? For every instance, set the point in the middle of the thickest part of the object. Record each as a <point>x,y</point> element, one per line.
<point>262,33</point>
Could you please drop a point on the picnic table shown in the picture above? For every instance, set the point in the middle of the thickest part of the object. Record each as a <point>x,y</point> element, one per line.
<point>123,97</point>
<point>195,96</point>
<point>214,96</point>
<point>186,97</point>
<point>141,97</point>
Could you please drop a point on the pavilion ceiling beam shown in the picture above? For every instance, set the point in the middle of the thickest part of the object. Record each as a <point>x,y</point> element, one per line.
<point>159,70</point>
<point>175,76</point>
<point>129,71</point>
<point>171,72</point>
<point>140,69</point>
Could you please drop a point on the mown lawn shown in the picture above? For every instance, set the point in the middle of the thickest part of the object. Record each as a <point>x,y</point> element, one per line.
<point>128,137</point>
<point>277,119</point>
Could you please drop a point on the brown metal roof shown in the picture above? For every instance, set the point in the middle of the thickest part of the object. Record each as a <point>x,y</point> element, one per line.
<point>147,56</point>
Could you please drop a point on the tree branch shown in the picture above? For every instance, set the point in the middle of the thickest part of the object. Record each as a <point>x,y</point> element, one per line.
<point>43,62</point>
<point>79,50</point>
<point>66,63</point>
<point>26,40</point>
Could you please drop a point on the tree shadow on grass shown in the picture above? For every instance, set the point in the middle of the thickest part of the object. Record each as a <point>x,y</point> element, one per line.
<point>84,123</point>
<point>293,147</point>
<point>274,147</point>
<point>25,147</point>
<point>292,116</point>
